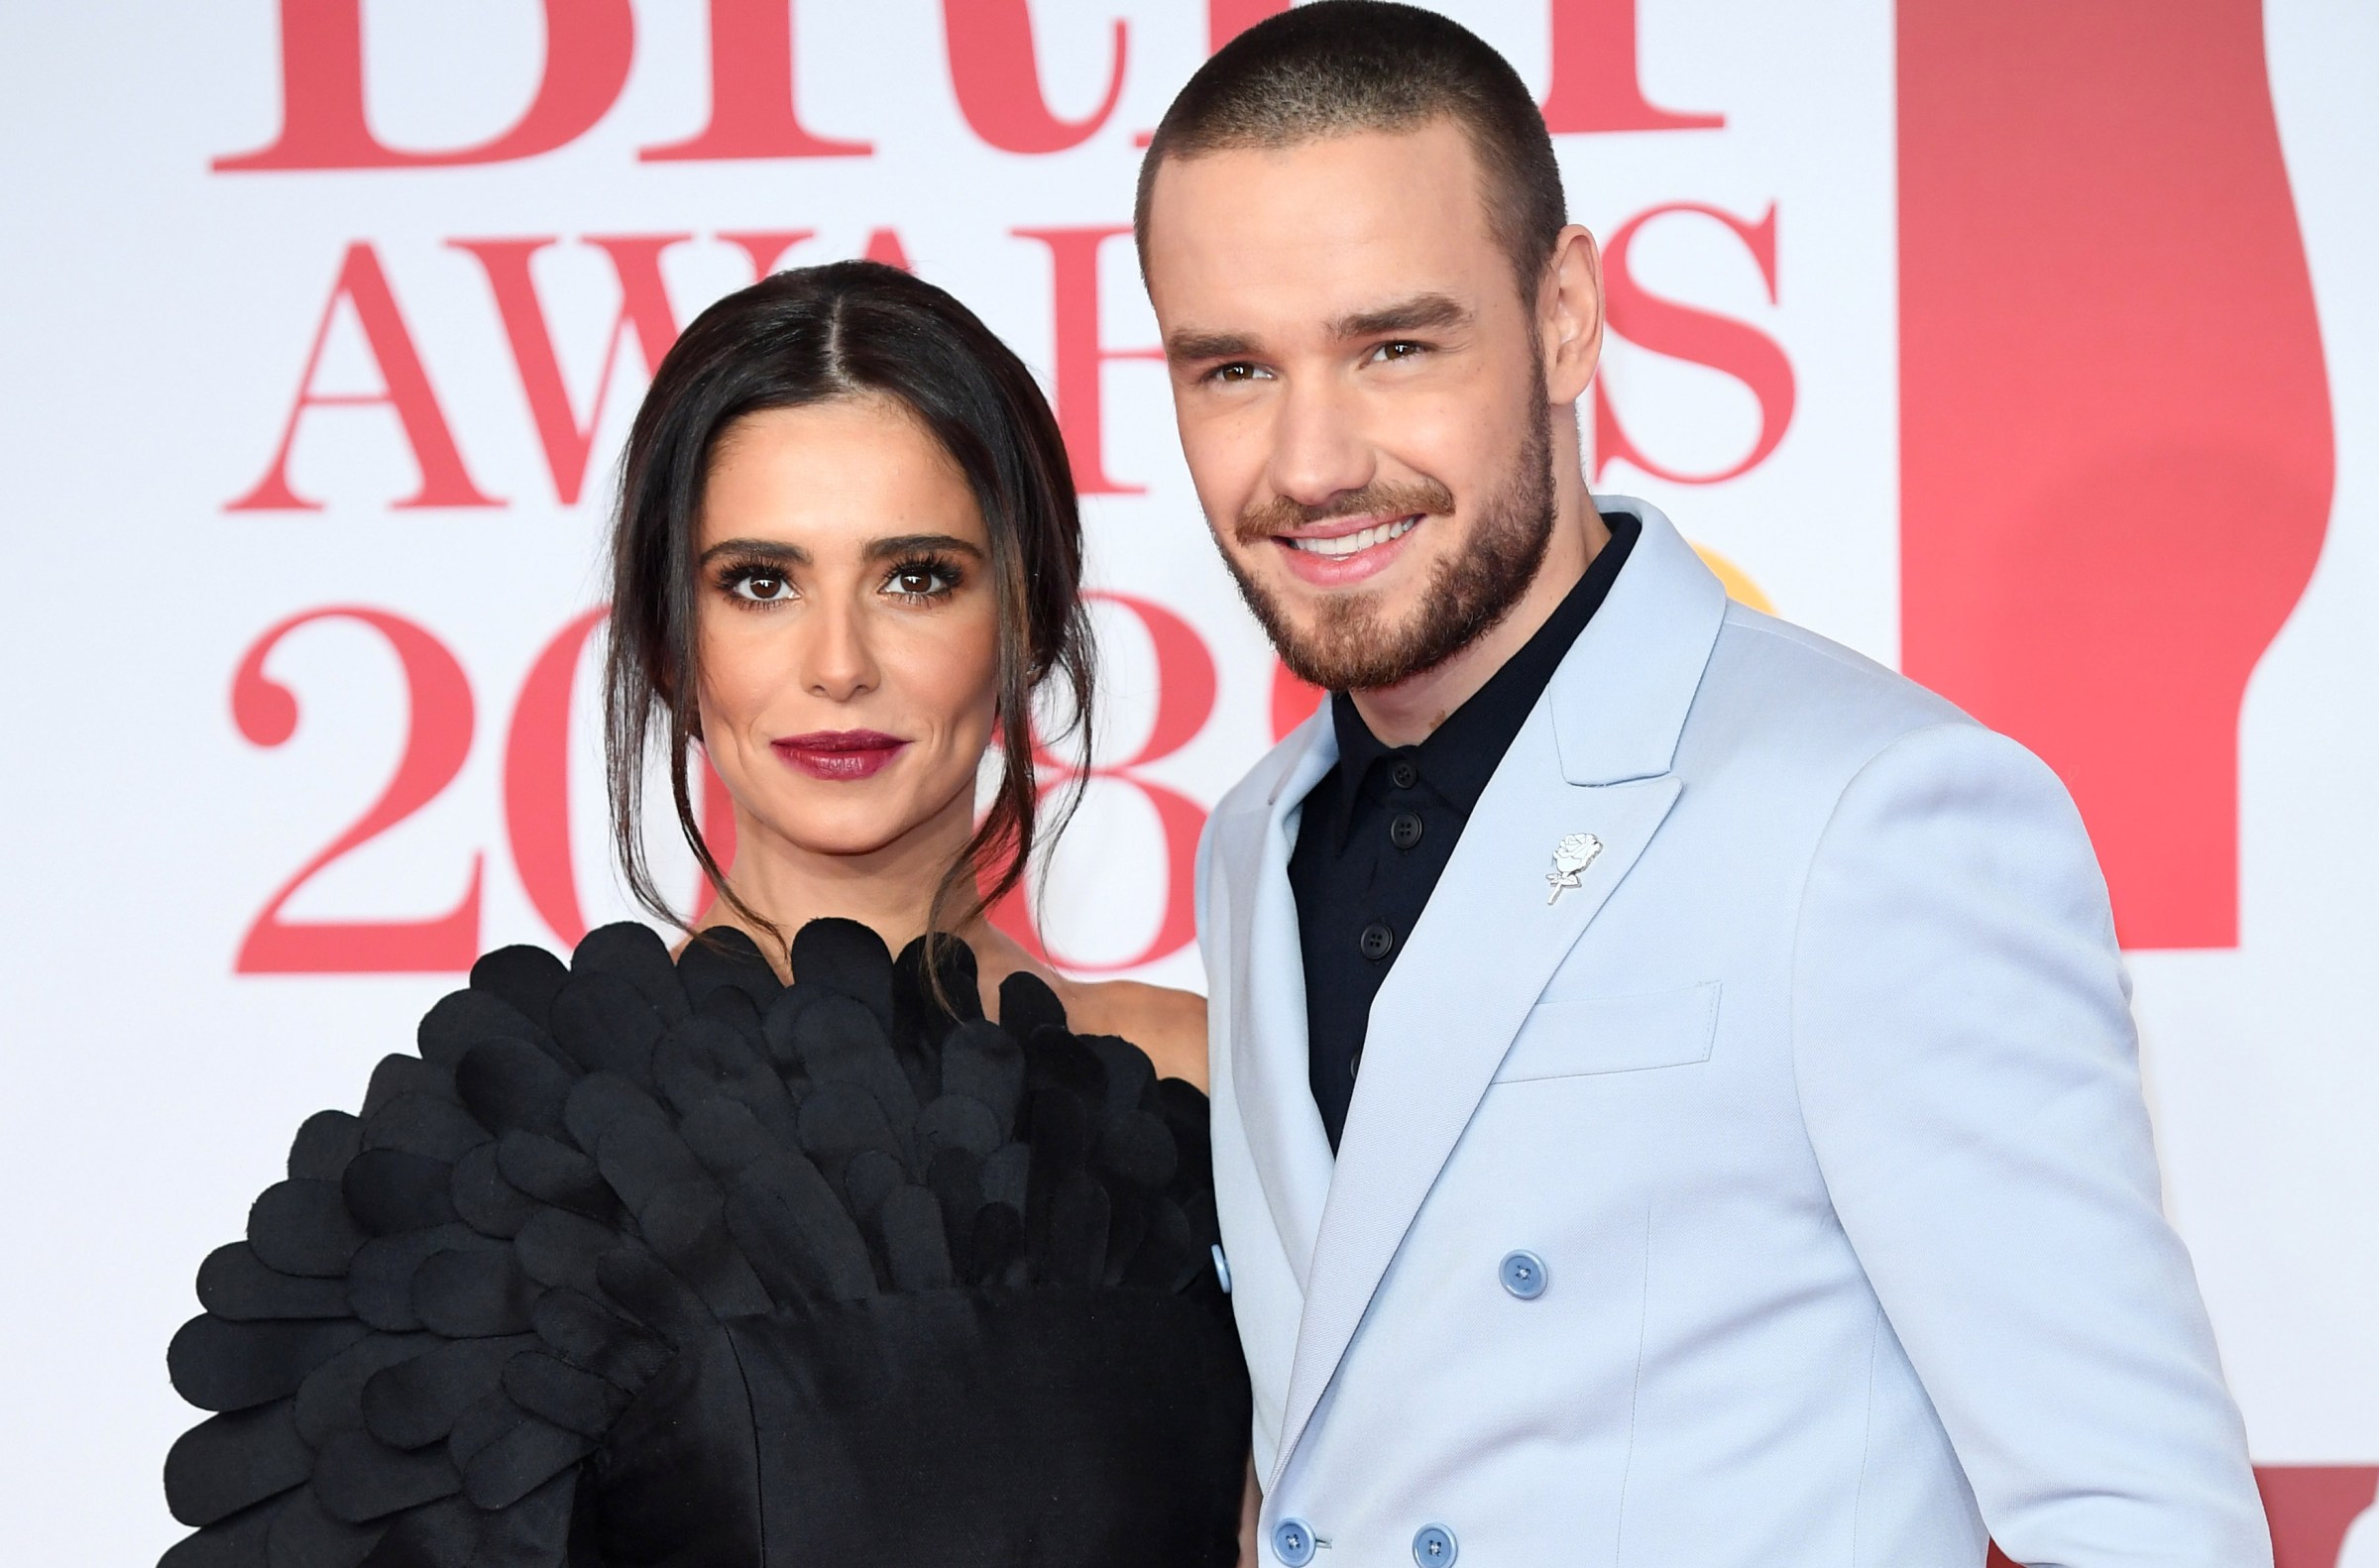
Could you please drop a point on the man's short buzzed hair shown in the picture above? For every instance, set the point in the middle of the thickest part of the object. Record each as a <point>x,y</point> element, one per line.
<point>1338,66</point>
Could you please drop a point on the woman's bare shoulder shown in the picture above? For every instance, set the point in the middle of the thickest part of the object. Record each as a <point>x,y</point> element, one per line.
<point>1169,1025</point>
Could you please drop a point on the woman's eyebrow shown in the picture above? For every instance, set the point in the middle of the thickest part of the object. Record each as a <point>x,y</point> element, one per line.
<point>757,549</point>
<point>901,544</point>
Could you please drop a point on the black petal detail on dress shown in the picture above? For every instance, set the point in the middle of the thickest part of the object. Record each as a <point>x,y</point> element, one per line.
<point>467,1293</point>
<point>305,1533</point>
<point>604,1024</point>
<point>324,1145</point>
<point>847,958</point>
<point>462,1019</point>
<point>1026,1003</point>
<point>235,1283</point>
<point>484,1200</point>
<point>430,1122</point>
<point>235,1461</point>
<point>575,1401</point>
<point>239,1541</point>
<point>526,979</point>
<point>508,1083</point>
<point>219,1365</point>
<point>637,955</point>
<point>391,1190</point>
<point>507,1453</point>
<point>361,1479</point>
<point>553,1171</point>
<point>302,1227</point>
<point>331,1400</point>
<point>397,1076</point>
<point>727,958</point>
<point>589,1173</point>
<point>418,1402</point>
<point>379,1283</point>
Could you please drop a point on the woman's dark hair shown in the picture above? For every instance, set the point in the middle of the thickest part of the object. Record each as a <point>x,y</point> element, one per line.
<point>850,329</point>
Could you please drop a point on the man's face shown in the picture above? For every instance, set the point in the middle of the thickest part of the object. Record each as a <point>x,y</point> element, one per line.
<point>1360,391</point>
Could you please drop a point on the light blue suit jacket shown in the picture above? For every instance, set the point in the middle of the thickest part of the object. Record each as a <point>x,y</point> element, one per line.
<point>1817,1098</point>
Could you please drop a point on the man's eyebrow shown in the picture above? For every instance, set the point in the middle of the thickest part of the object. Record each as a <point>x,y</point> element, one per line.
<point>1191,344</point>
<point>758,550</point>
<point>1421,313</point>
<point>901,545</point>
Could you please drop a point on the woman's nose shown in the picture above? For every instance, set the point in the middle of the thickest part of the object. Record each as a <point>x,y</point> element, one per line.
<point>836,660</point>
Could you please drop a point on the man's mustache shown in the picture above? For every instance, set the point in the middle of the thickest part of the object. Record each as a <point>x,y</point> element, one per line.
<point>1426,498</point>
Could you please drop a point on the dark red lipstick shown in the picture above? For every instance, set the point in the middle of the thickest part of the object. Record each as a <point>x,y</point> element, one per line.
<point>839,753</point>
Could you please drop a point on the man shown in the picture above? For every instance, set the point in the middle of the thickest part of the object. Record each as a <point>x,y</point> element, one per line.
<point>1674,1087</point>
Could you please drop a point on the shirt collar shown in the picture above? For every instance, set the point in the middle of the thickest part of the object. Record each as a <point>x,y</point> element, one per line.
<point>1461,754</point>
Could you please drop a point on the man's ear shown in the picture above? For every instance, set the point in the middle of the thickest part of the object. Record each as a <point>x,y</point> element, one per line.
<point>1569,315</point>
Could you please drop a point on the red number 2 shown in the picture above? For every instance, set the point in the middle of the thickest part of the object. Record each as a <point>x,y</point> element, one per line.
<point>437,740</point>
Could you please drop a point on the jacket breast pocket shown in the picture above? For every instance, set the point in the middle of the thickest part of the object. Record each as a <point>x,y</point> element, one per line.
<point>1572,1036</point>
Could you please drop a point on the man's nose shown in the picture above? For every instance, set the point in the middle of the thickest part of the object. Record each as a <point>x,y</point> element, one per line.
<point>1318,447</point>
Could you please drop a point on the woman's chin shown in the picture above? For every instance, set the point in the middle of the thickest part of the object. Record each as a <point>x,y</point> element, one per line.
<point>843,828</point>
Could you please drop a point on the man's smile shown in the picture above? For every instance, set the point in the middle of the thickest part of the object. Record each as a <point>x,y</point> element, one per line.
<point>1344,544</point>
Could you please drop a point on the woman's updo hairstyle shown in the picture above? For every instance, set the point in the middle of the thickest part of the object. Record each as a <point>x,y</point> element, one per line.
<point>817,334</point>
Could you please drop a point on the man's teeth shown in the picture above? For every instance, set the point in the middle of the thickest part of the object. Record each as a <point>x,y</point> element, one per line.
<point>1361,540</point>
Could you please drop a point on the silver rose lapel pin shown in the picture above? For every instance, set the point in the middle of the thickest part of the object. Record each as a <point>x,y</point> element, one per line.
<point>1573,854</point>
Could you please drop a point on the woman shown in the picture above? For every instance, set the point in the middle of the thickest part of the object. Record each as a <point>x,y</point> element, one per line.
<point>771,1252</point>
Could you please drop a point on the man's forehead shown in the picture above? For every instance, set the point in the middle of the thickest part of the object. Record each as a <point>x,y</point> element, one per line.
<point>1321,230</point>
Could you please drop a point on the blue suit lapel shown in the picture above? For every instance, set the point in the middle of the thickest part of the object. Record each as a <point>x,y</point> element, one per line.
<point>1594,757</point>
<point>1268,1041</point>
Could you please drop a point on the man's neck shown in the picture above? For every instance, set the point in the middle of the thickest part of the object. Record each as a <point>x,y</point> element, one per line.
<point>1408,712</point>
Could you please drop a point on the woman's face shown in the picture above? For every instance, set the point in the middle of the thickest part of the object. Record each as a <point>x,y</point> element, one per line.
<point>846,635</point>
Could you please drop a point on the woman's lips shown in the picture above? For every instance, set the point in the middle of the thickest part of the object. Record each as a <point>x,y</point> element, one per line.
<point>839,753</point>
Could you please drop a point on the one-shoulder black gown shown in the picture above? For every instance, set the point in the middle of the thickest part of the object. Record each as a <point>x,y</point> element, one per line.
<point>651,1262</point>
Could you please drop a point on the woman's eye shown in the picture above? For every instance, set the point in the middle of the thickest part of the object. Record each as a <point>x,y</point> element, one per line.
<point>763,588</point>
<point>921,581</point>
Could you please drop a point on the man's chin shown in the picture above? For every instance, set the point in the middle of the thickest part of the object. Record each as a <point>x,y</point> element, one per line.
<point>1347,639</point>
<point>1340,654</point>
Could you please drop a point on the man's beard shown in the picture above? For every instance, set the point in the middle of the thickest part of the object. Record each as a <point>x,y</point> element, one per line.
<point>1356,643</point>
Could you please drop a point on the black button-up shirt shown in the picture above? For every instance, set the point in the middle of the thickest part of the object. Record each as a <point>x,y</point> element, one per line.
<point>1379,828</point>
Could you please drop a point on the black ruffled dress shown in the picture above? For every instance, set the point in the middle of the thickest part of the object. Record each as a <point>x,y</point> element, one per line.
<point>643,1262</point>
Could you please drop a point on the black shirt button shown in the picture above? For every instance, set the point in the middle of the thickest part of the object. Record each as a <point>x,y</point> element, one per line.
<point>1378,941</point>
<point>1403,775</point>
<point>1404,830</point>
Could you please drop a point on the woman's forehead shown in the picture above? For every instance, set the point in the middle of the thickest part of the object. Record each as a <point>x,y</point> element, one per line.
<point>835,473</point>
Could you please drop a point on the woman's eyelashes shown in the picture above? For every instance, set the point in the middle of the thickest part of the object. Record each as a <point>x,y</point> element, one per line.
<point>757,583</point>
<point>923,579</point>
<point>915,580</point>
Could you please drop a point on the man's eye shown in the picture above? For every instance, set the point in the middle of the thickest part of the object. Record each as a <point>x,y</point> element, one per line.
<point>1398,350</point>
<point>1236,370</point>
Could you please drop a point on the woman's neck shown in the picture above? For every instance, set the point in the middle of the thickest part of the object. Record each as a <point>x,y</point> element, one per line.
<point>889,890</point>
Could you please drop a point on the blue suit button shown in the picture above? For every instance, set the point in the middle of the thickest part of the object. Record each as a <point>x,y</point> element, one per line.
<point>1434,1547</point>
<point>1293,1542</point>
<point>1524,1275</point>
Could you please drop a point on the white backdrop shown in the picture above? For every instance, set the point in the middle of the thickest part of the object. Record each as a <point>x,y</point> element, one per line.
<point>438,328</point>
